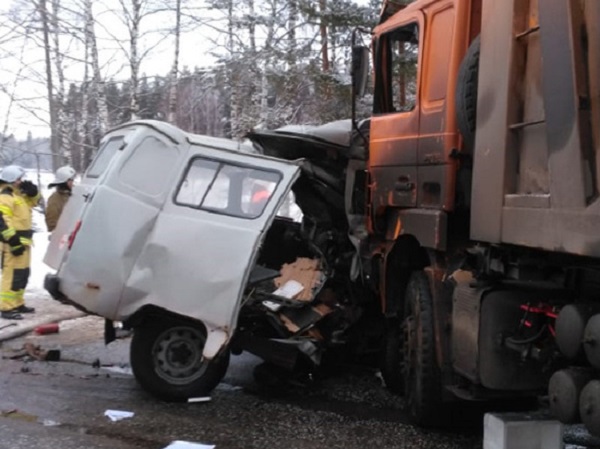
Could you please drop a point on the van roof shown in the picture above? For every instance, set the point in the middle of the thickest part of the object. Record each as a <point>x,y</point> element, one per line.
<point>179,136</point>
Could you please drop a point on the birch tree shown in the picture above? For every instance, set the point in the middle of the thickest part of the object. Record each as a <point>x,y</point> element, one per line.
<point>139,43</point>
<point>270,21</point>
<point>324,38</point>
<point>133,17</point>
<point>278,62</point>
<point>59,97</point>
<point>98,84</point>
<point>175,69</point>
<point>54,142</point>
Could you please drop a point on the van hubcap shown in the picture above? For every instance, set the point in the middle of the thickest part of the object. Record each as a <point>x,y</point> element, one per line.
<point>177,355</point>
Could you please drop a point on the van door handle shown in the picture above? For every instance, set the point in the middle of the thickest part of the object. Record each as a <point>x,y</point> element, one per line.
<point>87,197</point>
<point>404,186</point>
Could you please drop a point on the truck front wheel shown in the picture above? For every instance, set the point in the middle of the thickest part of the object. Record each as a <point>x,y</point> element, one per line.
<point>166,359</point>
<point>421,376</point>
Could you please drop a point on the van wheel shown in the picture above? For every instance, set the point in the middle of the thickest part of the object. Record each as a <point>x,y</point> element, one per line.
<point>167,361</point>
<point>422,383</point>
<point>466,94</point>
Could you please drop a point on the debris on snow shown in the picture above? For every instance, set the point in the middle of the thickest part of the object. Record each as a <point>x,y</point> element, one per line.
<point>189,445</point>
<point>200,399</point>
<point>117,415</point>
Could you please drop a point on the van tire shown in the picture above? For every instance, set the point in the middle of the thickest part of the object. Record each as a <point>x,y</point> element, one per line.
<point>166,360</point>
<point>466,94</point>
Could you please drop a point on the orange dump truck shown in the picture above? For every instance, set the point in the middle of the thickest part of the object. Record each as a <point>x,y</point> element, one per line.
<point>483,215</point>
<point>473,201</point>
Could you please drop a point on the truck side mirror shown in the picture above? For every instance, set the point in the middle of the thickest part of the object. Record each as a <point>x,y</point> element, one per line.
<point>360,70</point>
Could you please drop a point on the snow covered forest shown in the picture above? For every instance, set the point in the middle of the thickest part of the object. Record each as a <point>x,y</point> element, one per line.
<point>71,69</point>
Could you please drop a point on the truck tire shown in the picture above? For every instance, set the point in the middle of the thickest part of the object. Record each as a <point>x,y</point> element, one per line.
<point>422,382</point>
<point>391,365</point>
<point>166,360</point>
<point>466,94</point>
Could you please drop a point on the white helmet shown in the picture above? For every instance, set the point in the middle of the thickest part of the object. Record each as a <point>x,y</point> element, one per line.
<point>63,174</point>
<point>12,173</point>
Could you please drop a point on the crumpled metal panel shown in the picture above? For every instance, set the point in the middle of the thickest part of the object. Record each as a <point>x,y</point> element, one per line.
<point>132,252</point>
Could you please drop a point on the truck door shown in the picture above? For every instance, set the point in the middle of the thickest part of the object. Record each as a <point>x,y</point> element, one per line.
<point>121,211</point>
<point>395,124</point>
<point>205,241</point>
<point>438,135</point>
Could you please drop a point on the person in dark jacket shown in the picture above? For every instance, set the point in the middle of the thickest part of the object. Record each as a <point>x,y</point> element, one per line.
<point>63,181</point>
<point>17,199</point>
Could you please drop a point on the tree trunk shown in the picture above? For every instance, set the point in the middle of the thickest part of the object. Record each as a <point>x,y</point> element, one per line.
<point>174,71</point>
<point>292,77</point>
<point>255,83</point>
<point>232,78</point>
<point>98,84</point>
<point>134,62</point>
<point>61,131</point>
<point>324,46</point>
<point>54,143</point>
<point>265,110</point>
<point>83,126</point>
<point>292,24</point>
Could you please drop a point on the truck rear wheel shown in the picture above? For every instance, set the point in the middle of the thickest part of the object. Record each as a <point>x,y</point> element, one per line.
<point>391,365</point>
<point>421,375</point>
<point>166,359</point>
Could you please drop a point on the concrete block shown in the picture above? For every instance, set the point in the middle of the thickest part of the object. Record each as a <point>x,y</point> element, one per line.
<point>521,431</point>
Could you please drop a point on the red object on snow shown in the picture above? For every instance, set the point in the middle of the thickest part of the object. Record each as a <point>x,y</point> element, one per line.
<point>44,329</point>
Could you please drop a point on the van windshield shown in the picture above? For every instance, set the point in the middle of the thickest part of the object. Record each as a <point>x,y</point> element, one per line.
<point>104,155</point>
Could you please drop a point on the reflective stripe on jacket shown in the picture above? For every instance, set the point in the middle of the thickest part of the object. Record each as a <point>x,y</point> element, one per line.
<point>15,214</point>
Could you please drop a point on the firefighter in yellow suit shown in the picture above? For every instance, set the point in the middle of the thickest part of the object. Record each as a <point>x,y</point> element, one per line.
<point>17,199</point>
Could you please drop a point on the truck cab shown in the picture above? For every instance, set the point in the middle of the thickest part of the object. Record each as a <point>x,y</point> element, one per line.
<point>482,201</point>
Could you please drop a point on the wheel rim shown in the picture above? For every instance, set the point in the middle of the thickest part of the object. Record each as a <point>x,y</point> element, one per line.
<point>177,355</point>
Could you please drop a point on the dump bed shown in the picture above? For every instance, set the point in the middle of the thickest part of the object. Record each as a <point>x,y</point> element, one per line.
<point>536,168</point>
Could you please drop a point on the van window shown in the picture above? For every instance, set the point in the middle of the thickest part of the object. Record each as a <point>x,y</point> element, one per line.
<point>226,188</point>
<point>196,182</point>
<point>148,166</point>
<point>104,156</point>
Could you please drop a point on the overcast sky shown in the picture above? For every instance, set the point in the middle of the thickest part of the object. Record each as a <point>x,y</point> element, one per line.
<point>22,67</point>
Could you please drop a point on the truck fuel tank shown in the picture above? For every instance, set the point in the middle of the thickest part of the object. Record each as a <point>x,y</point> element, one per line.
<point>564,389</point>
<point>570,326</point>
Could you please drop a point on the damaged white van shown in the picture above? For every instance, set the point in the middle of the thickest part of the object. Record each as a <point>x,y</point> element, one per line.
<point>178,236</point>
